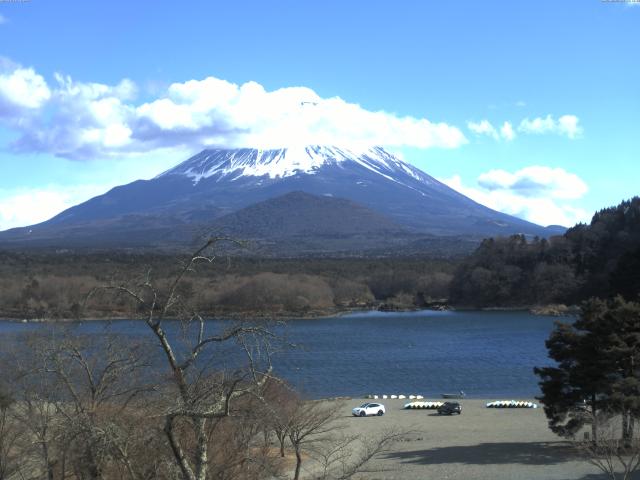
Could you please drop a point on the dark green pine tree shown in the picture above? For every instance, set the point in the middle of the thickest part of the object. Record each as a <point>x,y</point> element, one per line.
<point>597,370</point>
<point>621,323</point>
<point>574,391</point>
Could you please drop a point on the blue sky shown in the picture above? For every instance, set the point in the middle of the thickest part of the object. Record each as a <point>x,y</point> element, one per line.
<point>529,107</point>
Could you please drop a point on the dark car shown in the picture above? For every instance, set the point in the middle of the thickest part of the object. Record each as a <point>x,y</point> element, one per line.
<point>449,408</point>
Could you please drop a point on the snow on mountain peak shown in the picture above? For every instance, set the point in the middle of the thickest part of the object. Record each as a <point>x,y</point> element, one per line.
<point>286,162</point>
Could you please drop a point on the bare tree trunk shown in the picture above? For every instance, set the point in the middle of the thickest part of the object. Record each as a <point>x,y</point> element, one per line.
<point>296,475</point>
<point>178,453</point>
<point>282,447</point>
<point>626,440</point>
<point>282,438</point>
<point>594,422</point>
<point>202,459</point>
<point>46,460</point>
<point>63,465</point>
<point>93,469</point>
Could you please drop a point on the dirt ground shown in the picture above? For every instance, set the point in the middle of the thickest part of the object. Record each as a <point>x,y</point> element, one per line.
<point>481,443</point>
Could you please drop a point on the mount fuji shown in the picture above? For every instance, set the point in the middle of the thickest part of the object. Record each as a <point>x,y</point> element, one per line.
<point>324,198</point>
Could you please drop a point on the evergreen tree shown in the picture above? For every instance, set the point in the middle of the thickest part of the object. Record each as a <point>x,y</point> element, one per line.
<point>597,371</point>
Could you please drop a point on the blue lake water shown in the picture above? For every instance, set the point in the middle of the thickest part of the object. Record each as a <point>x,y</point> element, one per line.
<point>486,354</point>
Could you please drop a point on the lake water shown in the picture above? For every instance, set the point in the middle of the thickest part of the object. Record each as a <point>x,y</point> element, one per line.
<point>486,354</point>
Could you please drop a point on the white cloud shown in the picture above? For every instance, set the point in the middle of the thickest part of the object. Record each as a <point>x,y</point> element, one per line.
<point>219,112</point>
<point>538,194</point>
<point>567,125</point>
<point>506,131</point>
<point>535,181</point>
<point>21,89</point>
<point>85,120</point>
<point>31,206</point>
<point>484,127</point>
<point>92,120</point>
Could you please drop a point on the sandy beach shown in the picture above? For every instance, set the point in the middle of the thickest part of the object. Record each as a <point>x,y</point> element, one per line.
<point>481,443</point>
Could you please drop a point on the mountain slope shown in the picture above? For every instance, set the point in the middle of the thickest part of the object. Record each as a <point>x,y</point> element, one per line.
<point>300,223</point>
<point>303,214</point>
<point>214,183</point>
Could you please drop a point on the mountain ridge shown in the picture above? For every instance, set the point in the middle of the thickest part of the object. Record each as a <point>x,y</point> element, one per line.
<point>216,182</point>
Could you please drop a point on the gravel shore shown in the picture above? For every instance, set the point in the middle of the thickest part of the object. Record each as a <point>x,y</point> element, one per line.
<point>481,443</point>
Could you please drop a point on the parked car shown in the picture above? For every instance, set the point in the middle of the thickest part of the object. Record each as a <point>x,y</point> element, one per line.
<point>449,408</point>
<point>368,409</point>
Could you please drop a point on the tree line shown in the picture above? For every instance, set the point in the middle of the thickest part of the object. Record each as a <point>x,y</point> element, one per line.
<point>601,259</point>
<point>53,286</point>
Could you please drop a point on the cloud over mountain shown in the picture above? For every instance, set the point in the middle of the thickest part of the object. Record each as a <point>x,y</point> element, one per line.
<point>535,181</point>
<point>27,206</point>
<point>539,194</point>
<point>80,120</point>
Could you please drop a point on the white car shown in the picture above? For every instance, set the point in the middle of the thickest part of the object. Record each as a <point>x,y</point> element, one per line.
<point>368,409</point>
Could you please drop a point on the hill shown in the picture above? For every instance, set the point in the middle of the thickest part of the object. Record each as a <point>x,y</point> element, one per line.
<point>600,259</point>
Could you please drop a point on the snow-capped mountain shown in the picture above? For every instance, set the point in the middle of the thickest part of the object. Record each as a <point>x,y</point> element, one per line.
<point>213,188</point>
<point>287,162</point>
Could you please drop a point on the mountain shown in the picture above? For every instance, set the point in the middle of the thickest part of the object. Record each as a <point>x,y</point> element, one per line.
<point>301,223</point>
<point>348,192</point>
<point>302,214</point>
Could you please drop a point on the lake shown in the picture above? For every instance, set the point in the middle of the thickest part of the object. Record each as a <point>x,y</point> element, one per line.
<point>486,354</point>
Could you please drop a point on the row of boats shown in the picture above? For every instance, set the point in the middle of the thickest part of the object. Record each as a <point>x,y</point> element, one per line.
<point>511,404</point>
<point>393,397</point>
<point>423,405</point>
<point>433,405</point>
<point>427,405</point>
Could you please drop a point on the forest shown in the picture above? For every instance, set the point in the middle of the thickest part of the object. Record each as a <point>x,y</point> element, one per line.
<point>54,286</point>
<point>601,259</point>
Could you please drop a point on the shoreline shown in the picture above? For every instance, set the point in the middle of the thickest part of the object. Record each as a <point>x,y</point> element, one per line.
<point>538,310</point>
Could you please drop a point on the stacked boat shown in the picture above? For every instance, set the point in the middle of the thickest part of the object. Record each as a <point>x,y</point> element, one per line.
<point>392,397</point>
<point>511,404</point>
<point>423,405</point>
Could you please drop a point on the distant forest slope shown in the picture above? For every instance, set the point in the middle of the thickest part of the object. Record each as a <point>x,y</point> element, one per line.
<point>600,259</point>
<point>54,286</point>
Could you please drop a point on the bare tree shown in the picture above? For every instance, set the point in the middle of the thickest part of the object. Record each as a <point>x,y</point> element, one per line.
<point>281,403</point>
<point>10,437</point>
<point>79,403</point>
<point>38,420</point>
<point>343,456</point>
<point>315,431</point>
<point>23,366</point>
<point>202,391</point>
<point>311,423</point>
<point>615,455</point>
